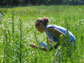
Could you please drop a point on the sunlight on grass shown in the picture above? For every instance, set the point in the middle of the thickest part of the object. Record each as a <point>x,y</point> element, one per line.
<point>17,31</point>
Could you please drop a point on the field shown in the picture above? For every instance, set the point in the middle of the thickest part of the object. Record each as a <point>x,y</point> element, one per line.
<point>17,30</point>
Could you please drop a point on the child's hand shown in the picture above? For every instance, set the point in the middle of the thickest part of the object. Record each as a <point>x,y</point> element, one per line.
<point>33,45</point>
<point>44,49</point>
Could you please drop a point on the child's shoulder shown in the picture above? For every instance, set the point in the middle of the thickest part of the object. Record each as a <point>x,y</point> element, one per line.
<point>51,26</point>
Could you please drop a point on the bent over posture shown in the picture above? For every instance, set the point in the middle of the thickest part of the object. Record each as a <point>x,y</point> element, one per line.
<point>53,33</point>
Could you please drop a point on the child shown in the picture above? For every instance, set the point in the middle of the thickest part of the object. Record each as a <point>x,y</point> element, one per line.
<point>53,33</point>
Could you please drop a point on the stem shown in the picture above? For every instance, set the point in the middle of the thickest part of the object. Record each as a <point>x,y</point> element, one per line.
<point>20,41</point>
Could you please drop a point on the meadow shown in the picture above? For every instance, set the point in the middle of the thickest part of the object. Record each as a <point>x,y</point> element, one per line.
<point>17,30</point>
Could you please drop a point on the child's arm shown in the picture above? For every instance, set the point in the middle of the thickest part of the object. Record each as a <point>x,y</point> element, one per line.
<point>52,47</point>
<point>57,44</point>
<point>34,46</point>
<point>55,47</point>
<point>44,48</point>
<point>55,32</point>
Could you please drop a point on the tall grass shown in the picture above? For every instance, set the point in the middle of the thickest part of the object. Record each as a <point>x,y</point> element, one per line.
<point>17,31</point>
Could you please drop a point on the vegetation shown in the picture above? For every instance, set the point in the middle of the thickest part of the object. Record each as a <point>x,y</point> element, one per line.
<point>39,2</point>
<point>17,31</point>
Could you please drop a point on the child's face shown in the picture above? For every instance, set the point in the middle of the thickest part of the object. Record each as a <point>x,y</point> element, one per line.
<point>40,28</point>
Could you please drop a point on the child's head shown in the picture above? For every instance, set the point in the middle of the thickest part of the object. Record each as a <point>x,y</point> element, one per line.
<point>41,24</point>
